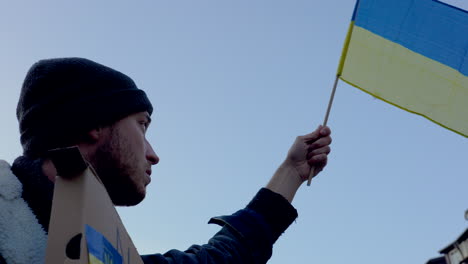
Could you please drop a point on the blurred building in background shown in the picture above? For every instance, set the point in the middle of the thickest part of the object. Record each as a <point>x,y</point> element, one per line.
<point>456,252</point>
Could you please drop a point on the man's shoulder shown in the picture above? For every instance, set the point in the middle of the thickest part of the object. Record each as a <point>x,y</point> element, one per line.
<point>10,186</point>
<point>4,164</point>
<point>18,222</point>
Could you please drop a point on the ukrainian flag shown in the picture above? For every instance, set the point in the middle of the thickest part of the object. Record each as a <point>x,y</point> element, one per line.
<point>100,250</point>
<point>412,54</point>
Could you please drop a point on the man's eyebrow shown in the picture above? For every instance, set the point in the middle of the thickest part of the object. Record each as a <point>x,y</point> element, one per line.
<point>148,118</point>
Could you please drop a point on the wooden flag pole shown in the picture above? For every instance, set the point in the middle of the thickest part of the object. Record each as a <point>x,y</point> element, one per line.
<point>312,170</point>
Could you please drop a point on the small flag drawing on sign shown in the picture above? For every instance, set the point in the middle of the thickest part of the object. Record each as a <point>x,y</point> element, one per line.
<point>100,250</point>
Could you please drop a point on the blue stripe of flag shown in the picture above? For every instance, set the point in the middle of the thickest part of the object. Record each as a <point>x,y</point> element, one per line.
<point>428,27</point>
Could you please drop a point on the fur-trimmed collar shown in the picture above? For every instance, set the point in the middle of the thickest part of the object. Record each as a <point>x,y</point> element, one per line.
<point>38,190</point>
<point>22,238</point>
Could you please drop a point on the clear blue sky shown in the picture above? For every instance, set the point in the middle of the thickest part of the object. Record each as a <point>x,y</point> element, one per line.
<point>233,83</point>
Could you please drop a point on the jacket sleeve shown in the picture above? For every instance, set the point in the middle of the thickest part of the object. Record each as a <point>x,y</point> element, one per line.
<point>247,236</point>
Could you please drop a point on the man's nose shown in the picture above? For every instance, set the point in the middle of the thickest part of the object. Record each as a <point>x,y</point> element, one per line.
<point>150,154</point>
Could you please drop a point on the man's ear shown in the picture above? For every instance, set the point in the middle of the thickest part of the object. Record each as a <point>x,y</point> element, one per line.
<point>91,141</point>
<point>94,135</point>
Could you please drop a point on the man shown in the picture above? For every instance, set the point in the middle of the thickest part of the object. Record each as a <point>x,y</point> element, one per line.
<point>75,101</point>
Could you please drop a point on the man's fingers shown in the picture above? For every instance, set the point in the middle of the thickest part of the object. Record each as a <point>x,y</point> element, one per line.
<point>312,136</point>
<point>325,131</point>
<point>319,143</point>
<point>318,161</point>
<point>323,150</point>
<point>321,131</point>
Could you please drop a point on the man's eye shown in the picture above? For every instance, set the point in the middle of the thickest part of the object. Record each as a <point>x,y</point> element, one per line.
<point>144,125</point>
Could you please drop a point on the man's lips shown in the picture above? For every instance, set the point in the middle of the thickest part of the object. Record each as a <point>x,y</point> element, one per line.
<point>148,173</point>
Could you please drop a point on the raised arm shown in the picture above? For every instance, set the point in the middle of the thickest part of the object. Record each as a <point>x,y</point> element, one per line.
<point>308,151</point>
<point>248,235</point>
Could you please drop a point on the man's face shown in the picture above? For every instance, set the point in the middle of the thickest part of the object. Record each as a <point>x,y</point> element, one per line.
<point>124,158</point>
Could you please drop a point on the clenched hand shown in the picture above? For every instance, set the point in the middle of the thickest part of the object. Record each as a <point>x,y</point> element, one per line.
<point>307,152</point>
<point>310,151</point>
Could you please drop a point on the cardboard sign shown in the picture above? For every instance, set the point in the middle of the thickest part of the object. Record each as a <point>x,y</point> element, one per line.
<point>84,226</point>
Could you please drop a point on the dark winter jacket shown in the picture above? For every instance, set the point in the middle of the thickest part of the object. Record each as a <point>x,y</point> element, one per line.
<point>246,236</point>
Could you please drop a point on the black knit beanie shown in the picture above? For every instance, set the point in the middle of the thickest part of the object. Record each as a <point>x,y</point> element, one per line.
<point>64,98</point>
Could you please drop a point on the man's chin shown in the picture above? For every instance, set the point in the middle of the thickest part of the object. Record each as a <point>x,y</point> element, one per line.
<point>128,199</point>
